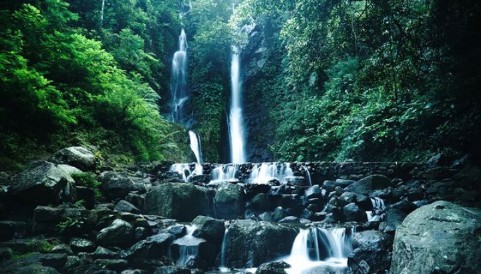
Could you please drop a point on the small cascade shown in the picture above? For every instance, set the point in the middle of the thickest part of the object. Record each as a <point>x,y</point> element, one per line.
<point>320,249</point>
<point>223,250</point>
<point>196,146</point>
<point>377,206</point>
<point>224,173</point>
<point>178,86</point>
<point>102,13</point>
<point>187,170</point>
<point>265,172</point>
<point>308,175</point>
<point>188,246</point>
<point>236,123</point>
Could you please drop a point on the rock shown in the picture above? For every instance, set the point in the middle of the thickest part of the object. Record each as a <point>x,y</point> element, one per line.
<point>153,247</point>
<point>124,206</point>
<point>273,268</point>
<point>394,217</point>
<point>133,271</point>
<point>180,201</point>
<point>249,243</point>
<point>343,183</point>
<point>81,245</point>
<point>112,264</point>
<point>279,213</point>
<point>171,270</point>
<point>177,230</point>
<point>72,261</point>
<point>313,192</point>
<point>368,184</point>
<point>87,195</point>
<point>209,228</point>
<point>43,183</point>
<point>55,260</point>
<point>136,199</point>
<point>6,253</point>
<point>352,213</point>
<point>266,216</point>
<point>119,233</point>
<point>289,220</point>
<point>252,190</point>
<point>229,201</point>
<point>104,253</point>
<point>78,157</point>
<point>116,185</point>
<point>438,238</point>
<point>261,202</point>
<point>7,230</point>
<point>371,251</point>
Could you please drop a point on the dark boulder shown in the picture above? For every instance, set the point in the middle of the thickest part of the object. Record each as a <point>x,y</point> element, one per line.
<point>371,252</point>
<point>124,206</point>
<point>44,183</point>
<point>250,243</point>
<point>351,212</point>
<point>229,201</point>
<point>273,268</point>
<point>438,238</point>
<point>78,157</point>
<point>116,185</point>
<point>171,270</point>
<point>370,183</point>
<point>81,245</point>
<point>120,233</point>
<point>209,228</point>
<point>180,201</point>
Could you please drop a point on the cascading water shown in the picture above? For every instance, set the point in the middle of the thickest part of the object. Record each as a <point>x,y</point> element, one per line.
<point>308,175</point>
<point>196,146</point>
<point>319,249</point>
<point>178,86</point>
<point>377,206</point>
<point>187,170</point>
<point>265,172</point>
<point>236,124</point>
<point>102,13</point>
<point>188,246</point>
<point>224,173</point>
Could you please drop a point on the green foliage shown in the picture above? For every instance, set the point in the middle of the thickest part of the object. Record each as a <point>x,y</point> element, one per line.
<point>88,179</point>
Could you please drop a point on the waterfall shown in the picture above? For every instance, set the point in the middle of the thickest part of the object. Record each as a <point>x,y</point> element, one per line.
<point>102,13</point>
<point>187,170</point>
<point>377,205</point>
<point>223,250</point>
<point>188,246</point>
<point>195,145</point>
<point>309,180</point>
<point>224,173</point>
<point>236,125</point>
<point>319,249</point>
<point>265,172</point>
<point>178,86</point>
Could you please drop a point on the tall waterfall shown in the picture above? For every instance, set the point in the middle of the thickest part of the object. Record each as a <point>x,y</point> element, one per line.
<point>102,13</point>
<point>319,249</point>
<point>178,84</point>
<point>236,124</point>
<point>196,146</point>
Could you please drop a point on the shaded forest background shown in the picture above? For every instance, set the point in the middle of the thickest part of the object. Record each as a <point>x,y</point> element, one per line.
<point>394,80</point>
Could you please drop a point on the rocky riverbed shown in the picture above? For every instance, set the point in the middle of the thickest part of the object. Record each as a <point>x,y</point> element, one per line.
<point>68,214</point>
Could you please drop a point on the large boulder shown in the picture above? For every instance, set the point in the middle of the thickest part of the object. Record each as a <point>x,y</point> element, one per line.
<point>370,252</point>
<point>44,183</point>
<point>368,184</point>
<point>209,228</point>
<point>119,233</point>
<point>78,157</point>
<point>250,243</point>
<point>438,238</point>
<point>116,185</point>
<point>153,247</point>
<point>229,201</point>
<point>180,201</point>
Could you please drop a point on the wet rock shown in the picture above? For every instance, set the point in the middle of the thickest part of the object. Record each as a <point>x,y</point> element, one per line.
<point>119,233</point>
<point>177,230</point>
<point>371,252</point>
<point>104,253</point>
<point>313,192</point>
<point>6,253</point>
<point>81,245</point>
<point>180,201</point>
<point>343,183</point>
<point>289,220</point>
<point>273,268</point>
<point>250,243</point>
<point>116,185</point>
<point>438,238</point>
<point>136,199</point>
<point>153,247</point>
<point>87,195</point>
<point>171,270</point>
<point>124,206</point>
<point>252,190</point>
<point>209,228</point>
<point>394,217</point>
<point>43,183</point>
<point>229,201</point>
<point>261,202</point>
<point>7,230</point>
<point>352,213</point>
<point>112,264</point>
<point>78,157</point>
<point>370,183</point>
<point>55,260</point>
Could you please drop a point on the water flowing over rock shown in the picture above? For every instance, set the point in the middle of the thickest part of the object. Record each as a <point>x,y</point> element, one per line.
<point>195,146</point>
<point>438,238</point>
<point>236,123</point>
<point>187,171</point>
<point>178,86</point>
<point>266,172</point>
